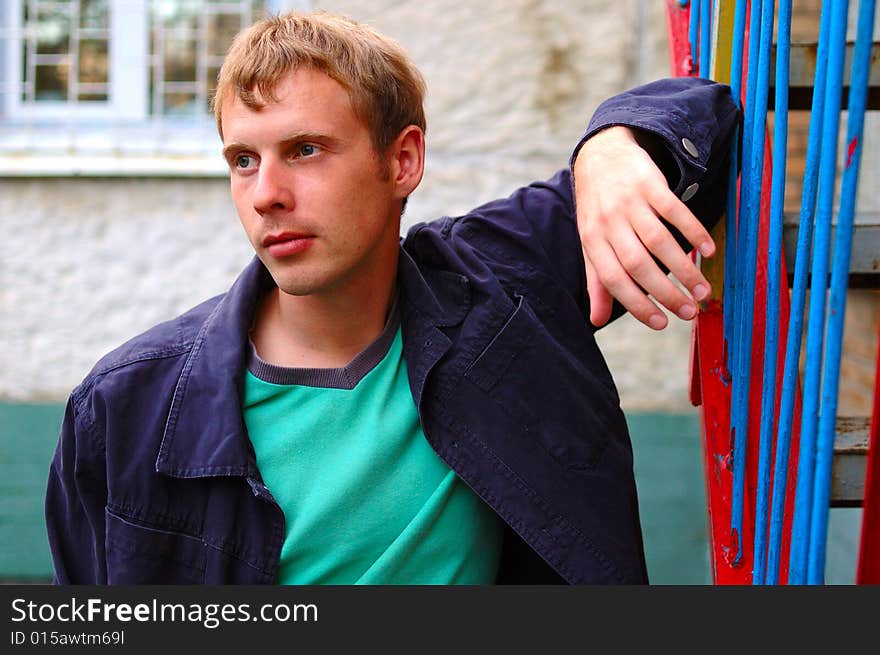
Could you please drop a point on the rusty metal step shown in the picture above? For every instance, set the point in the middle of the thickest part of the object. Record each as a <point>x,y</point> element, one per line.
<point>864,268</point>
<point>802,70</point>
<point>850,461</point>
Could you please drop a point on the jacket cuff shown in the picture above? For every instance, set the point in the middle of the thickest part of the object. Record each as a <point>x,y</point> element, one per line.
<point>681,122</point>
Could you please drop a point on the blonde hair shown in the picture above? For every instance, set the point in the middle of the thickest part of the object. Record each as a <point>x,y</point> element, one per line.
<point>386,89</point>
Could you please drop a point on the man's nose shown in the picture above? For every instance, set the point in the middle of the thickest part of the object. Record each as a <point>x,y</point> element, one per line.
<point>273,191</point>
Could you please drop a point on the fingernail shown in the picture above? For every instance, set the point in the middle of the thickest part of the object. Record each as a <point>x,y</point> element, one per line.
<point>701,292</point>
<point>657,322</point>
<point>687,312</point>
<point>707,249</point>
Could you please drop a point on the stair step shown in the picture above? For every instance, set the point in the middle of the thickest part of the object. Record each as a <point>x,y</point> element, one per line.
<point>850,461</point>
<point>865,255</point>
<point>802,70</point>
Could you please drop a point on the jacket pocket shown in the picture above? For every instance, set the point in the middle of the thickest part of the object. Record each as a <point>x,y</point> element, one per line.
<point>139,554</point>
<point>553,395</point>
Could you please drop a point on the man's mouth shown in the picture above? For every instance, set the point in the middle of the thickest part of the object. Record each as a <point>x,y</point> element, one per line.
<point>286,244</point>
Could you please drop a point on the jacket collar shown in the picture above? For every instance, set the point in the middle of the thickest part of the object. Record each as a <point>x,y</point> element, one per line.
<point>441,297</point>
<point>431,299</point>
<point>205,434</point>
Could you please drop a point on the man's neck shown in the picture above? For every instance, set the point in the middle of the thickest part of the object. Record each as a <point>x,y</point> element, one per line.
<point>320,330</point>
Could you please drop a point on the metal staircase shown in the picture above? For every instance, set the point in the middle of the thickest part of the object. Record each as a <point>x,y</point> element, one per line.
<point>853,481</point>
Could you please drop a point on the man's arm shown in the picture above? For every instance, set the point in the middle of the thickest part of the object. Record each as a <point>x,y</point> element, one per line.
<point>75,501</point>
<point>651,162</point>
<point>532,236</point>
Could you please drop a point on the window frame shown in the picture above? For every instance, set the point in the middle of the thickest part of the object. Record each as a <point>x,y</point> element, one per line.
<point>127,86</point>
<point>120,138</point>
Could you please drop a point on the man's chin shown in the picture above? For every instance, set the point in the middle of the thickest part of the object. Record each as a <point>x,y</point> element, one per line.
<point>288,281</point>
<point>297,285</point>
<point>298,289</point>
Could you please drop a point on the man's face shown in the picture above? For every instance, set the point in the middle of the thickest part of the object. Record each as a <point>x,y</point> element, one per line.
<point>311,192</point>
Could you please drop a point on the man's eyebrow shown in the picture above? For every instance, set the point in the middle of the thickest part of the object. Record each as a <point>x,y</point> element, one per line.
<point>233,146</point>
<point>296,137</point>
<point>293,137</point>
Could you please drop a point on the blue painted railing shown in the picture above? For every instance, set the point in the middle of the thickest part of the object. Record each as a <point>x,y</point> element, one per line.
<point>822,370</point>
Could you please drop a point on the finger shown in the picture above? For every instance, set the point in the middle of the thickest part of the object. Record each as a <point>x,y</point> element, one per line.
<point>620,285</point>
<point>601,301</point>
<point>660,243</point>
<point>637,261</point>
<point>667,205</point>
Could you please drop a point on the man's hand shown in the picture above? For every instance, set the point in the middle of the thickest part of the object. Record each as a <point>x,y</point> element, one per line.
<point>620,195</point>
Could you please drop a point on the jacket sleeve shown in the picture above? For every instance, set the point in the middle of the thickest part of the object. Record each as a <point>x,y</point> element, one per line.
<point>686,124</point>
<point>75,499</point>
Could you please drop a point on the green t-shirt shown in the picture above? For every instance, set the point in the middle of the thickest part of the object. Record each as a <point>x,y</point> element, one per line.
<point>366,499</point>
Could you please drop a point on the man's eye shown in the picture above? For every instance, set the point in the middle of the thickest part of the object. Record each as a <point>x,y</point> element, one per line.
<point>307,150</point>
<point>244,161</point>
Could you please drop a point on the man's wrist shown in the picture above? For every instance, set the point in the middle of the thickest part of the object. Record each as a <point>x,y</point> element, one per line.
<point>610,134</point>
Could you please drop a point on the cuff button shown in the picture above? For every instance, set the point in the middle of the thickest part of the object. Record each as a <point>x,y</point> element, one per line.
<point>690,147</point>
<point>690,192</point>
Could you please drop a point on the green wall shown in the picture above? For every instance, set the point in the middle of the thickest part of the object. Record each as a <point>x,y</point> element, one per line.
<point>668,469</point>
<point>27,441</point>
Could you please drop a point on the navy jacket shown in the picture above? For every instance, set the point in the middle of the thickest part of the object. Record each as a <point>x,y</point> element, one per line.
<point>154,479</point>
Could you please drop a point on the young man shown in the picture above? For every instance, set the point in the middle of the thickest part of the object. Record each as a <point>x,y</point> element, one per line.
<point>364,409</point>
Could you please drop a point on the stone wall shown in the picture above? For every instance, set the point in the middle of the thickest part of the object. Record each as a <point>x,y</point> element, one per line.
<point>86,263</point>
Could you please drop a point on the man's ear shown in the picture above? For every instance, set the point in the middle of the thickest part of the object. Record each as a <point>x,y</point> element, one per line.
<point>407,160</point>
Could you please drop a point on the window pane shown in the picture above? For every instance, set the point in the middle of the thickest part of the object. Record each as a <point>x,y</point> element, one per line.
<point>52,29</point>
<point>92,97</point>
<point>94,14</point>
<point>51,82</point>
<point>213,71</point>
<point>65,44</point>
<point>188,41</point>
<point>93,64</point>
<point>25,78</point>
<point>176,14</point>
<point>180,104</point>
<point>180,60</point>
<point>221,30</point>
